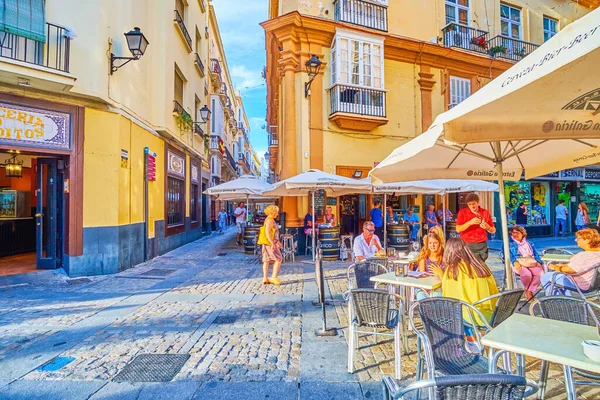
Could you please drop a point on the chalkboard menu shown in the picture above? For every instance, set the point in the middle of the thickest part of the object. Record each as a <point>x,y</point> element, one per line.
<point>319,203</point>
<point>332,201</point>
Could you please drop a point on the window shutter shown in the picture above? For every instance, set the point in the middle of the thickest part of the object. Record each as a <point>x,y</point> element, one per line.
<point>25,18</point>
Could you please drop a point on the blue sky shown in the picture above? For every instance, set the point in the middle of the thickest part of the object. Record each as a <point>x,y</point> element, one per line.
<point>244,42</point>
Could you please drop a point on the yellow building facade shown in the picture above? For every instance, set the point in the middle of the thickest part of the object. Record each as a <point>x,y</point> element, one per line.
<point>388,69</point>
<point>124,154</point>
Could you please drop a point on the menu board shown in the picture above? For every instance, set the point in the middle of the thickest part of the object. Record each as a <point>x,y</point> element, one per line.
<point>319,203</point>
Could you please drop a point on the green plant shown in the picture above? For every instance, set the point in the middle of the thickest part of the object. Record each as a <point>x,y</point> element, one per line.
<point>206,142</point>
<point>499,49</point>
<point>519,52</point>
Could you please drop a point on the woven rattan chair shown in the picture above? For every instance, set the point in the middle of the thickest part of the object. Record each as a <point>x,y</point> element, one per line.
<point>465,387</point>
<point>443,337</point>
<point>592,292</point>
<point>379,260</point>
<point>574,310</point>
<point>360,273</point>
<point>505,306</point>
<point>376,309</point>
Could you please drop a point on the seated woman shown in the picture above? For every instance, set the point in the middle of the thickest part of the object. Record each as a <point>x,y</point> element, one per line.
<point>466,277</point>
<point>432,254</point>
<point>329,217</point>
<point>390,215</point>
<point>438,230</point>
<point>589,240</point>
<point>525,260</point>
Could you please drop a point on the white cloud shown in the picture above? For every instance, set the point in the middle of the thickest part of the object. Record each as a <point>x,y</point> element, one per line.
<point>245,78</point>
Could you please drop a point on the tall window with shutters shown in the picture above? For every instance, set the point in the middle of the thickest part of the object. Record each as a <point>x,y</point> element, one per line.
<point>178,87</point>
<point>460,89</point>
<point>457,11</point>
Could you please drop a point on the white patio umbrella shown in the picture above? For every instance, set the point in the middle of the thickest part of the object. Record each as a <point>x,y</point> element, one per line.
<point>308,182</point>
<point>433,186</point>
<point>540,116</point>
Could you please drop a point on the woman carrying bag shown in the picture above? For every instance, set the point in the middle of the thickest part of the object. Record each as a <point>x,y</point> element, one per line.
<point>268,237</point>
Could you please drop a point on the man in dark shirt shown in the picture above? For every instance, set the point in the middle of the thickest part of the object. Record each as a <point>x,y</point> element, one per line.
<point>308,228</point>
<point>377,217</point>
<point>522,215</point>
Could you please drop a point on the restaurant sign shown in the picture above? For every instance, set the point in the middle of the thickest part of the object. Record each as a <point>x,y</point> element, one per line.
<point>574,174</point>
<point>34,127</point>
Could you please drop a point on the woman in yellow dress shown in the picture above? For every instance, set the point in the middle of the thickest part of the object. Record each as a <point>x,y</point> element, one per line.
<point>467,278</point>
<point>271,247</point>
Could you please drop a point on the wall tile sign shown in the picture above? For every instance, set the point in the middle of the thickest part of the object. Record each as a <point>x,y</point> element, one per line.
<point>195,173</point>
<point>175,164</point>
<point>34,127</point>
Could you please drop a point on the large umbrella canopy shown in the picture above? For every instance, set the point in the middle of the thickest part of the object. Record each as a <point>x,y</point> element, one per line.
<point>246,186</point>
<point>540,116</point>
<point>307,182</point>
<point>435,186</point>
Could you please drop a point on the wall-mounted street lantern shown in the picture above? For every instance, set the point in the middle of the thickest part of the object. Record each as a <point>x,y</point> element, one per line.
<point>204,114</point>
<point>137,43</point>
<point>13,167</point>
<point>313,66</point>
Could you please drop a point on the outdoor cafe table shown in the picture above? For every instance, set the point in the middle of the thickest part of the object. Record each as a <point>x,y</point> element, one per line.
<point>555,258</point>
<point>545,339</point>
<point>406,282</point>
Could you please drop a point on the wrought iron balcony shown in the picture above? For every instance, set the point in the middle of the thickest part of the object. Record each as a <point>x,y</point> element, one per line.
<point>214,143</point>
<point>465,37</point>
<point>186,118</point>
<point>184,31</point>
<point>357,100</point>
<point>54,53</point>
<point>511,49</point>
<point>230,159</point>
<point>215,67</point>
<point>200,64</point>
<point>241,158</point>
<point>363,13</point>
<point>198,129</point>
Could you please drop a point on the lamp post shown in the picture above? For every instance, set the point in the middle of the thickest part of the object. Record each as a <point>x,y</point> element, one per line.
<point>313,66</point>
<point>137,43</point>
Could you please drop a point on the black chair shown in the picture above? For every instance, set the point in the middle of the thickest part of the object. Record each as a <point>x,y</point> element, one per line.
<point>360,273</point>
<point>465,387</point>
<point>592,292</point>
<point>576,311</point>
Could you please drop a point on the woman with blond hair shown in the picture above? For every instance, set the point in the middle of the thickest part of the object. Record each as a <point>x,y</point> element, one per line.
<point>268,237</point>
<point>589,240</point>
<point>432,252</point>
<point>583,216</point>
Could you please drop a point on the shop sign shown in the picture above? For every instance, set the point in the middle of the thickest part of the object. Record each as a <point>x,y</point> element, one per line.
<point>575,174</point>
<point>150,165</point>
<point>34,127</point>
<point>175,164</point>
<point>592,174</point>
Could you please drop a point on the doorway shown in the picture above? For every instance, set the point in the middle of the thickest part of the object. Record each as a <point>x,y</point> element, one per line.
<point>31,216</point>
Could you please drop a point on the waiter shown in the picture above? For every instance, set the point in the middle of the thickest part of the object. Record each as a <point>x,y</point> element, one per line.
<point>473,223</point>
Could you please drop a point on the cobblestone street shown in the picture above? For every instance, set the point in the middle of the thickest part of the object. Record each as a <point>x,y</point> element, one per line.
<point>64,338</point>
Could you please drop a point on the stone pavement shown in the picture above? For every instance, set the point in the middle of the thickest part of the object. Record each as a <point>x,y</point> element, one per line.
<point>206,299</point>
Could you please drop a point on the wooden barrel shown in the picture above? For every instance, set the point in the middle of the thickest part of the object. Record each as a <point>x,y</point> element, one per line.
<point>250,232</point>
<point>451,230</point>
<point>398,237</point>
<point>330,243</point>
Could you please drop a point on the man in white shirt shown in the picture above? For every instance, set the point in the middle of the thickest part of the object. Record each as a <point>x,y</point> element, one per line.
<point>367,244</point>
<point>240,220</point>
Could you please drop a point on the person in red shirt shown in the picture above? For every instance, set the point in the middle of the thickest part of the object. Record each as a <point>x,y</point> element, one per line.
<point>473,224</point>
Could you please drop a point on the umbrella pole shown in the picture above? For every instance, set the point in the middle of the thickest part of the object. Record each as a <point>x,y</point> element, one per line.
<point>444,214</point>
<point>384,213</point>
<point>313,225</point>
<point>319,268</point>
<point>508,272</point>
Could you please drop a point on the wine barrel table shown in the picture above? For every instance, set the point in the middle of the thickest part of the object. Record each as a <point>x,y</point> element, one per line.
<point>329,239</point>
<point>249,238</point>
<point>398,237</point>
<point>451,230</point>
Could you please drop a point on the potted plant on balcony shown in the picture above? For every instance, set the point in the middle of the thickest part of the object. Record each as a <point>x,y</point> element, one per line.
<point>519,52</point>
<point>480,42</point>
<point>185,121</point>
<point>207,142</point>
<point>499,49</point>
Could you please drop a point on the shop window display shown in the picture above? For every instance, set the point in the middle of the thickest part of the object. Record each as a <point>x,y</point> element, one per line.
<point>535,197</point>
<point>590,195</point>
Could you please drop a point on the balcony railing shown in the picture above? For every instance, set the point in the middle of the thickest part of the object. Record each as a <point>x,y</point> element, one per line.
<point>200,64</point>
<point>465,37</point>
<point>214,143</point>
<point>54,54</point>
<point>273,140</point>
<point>363,13</point>
<point>511,49</point>
<point>241,158</point>
<point>230,159</point>
<point>185,116</point>
<point>357,100</point>
<point>184,31</point>
<point>215,66</point>
<point>198,129</point>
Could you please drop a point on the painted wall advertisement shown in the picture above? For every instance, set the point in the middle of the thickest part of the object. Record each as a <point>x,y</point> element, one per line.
<point>34,127</point>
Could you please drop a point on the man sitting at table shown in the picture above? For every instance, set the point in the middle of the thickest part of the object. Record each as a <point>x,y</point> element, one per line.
<point>413,220</point>
<point>366,244</point>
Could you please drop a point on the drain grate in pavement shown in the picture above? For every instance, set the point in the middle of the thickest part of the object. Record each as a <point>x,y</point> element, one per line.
<point>222,320</point>
<point>152,368</point>
<point>158,272</point>
<point>78,281</point>
<point>56,363</point>
<point>221,254</point>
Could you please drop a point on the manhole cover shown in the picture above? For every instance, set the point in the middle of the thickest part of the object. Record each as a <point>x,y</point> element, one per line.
<point>158,272</point>
<point>152,368</point>
<point>56,363</point>
<point>78,281</point>
<point>221,254</point>
<point>230,319</point>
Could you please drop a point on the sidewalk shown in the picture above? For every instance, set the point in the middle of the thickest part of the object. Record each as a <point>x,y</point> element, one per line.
<point>64,338</point>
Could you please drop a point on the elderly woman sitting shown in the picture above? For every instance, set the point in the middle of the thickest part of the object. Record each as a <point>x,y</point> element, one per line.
<point>525,260</point>
<point>579,268</point>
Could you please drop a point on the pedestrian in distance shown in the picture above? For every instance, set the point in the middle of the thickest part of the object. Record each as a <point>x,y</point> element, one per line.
<point>240,214</point>
<point>376,215</point>
<point>583,216</point>
<point>561,219</point>
<point>268,237</point>
<point>222,220</point>
<point>521,218</point>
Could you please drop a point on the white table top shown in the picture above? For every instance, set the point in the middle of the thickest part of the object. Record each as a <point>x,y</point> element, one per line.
<point>545,339</point>
<point>427,283</point>
<point>403,260</point>
<point>557,257</point>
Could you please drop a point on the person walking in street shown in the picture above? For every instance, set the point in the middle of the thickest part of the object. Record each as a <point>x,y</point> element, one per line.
<point>521,218</point>
<point>430,217</point>
<point>366,244</point>
<point>561,219</point>
<point>222,220</point>
<point>268,237</point>
<point>412,220</point>
<point>473,223</point>
<point>376,215</point>
<point>240,214</point>
<point>583,216</point>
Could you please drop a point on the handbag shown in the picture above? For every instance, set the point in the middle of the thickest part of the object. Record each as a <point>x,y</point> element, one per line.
<point>527,262</point>
<point>262,237</point>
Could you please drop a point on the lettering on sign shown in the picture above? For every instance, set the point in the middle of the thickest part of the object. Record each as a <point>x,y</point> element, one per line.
<point>577,173</point>
<point>34,127</point>
<point>151,175</point>
<point>592,174</point>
